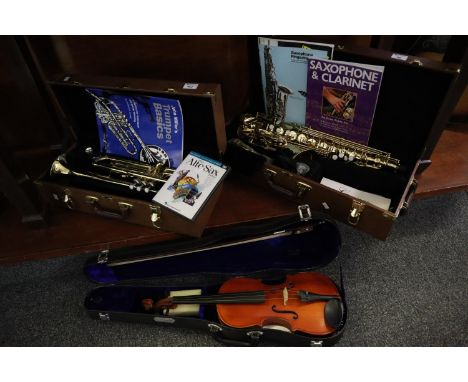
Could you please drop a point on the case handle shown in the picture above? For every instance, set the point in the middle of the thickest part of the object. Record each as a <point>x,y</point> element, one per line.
<point>301,186</point>
<point>122,213</point>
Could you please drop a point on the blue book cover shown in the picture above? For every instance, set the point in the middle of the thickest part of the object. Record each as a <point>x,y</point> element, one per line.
<point>283,65</point>
<point>143,128</point>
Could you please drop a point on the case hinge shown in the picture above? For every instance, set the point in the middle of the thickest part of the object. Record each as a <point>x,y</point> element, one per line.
<point>355,213</point>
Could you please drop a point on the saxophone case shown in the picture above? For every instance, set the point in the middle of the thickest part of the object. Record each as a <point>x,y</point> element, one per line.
<point>268,250</point>
<point>204,132</point>
<point>412,109</point>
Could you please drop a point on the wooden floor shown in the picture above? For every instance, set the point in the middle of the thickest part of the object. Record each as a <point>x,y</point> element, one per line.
<point>72,232</point>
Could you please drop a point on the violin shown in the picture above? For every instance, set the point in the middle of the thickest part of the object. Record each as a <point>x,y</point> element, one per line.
<point>306,302</point>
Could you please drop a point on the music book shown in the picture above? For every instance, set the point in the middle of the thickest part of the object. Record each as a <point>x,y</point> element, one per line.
<point>342,98</point>
<point>283,65</point>
<point>143,128</point>
<point>191,185</point>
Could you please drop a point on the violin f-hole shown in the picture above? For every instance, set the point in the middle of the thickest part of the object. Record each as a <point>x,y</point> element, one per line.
<point>295,316</point>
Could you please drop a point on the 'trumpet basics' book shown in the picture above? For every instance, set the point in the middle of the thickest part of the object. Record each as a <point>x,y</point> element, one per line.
<point>143,128</point>
<point>191,184</point>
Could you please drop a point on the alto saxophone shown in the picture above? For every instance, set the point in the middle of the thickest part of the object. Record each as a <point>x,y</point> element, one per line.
<point>260,131</point>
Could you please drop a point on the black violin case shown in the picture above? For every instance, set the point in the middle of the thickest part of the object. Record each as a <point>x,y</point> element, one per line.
<point>269,250</point>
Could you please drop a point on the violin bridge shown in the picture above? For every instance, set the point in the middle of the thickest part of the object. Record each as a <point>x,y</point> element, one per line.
<point>285,296</point>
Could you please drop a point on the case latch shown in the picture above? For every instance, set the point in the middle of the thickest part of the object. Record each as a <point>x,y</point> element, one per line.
<point>213,328</point>
<point>316,343</point>
<point>104,316</point>
<point>355,213</point>
<point>255,334</point>
<point>304,212</point>
<point>155,216</point>
<point>103,257</point>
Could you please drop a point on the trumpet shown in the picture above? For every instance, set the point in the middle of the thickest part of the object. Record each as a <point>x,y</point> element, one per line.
<point>260,131</point>
<point>137,176</point>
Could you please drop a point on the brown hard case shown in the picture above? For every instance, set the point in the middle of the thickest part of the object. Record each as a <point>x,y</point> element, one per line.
<point>397,128</point>
<point>204,132</point>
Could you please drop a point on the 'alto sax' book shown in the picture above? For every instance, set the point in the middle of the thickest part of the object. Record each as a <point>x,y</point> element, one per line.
<point>191,185</point>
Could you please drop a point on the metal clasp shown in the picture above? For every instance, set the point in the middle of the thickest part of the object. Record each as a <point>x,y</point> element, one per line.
<point>302,187</point>
<point>255,334</point>
<point>155,216</point>
<point>103,257</point>
<point>213,328</point>
<point>304,212</point>
<point>316,343</point>
<point>104,316</point>
<point>67,199</point>
<point>269,173</point>
<point>356,209</point>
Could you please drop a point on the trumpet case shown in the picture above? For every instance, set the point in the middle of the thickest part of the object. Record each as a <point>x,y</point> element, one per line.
<point>268,250</point>
<point>413,108</point>
<point>204,132</point>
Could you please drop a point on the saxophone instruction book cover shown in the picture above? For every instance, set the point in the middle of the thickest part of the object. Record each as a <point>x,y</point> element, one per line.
<point>283,65</point>
<point>342,98</point>
<point>191,184</point>
<point>143,128</point>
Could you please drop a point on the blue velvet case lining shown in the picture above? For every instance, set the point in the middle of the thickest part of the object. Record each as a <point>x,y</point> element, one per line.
<point>270,254</point>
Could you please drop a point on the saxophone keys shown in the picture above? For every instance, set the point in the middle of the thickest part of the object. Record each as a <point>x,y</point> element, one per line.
<point>301,138</point>
<point>291,134</point>
<point>280,131</point>
<point>334,157</point>
<point>341,154</point>
<point>351,157</point>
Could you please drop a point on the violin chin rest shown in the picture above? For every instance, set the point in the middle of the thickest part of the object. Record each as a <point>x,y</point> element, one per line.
<point>334,313</point>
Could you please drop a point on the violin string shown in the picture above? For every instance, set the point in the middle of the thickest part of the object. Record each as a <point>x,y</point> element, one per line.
<point>246,296</point>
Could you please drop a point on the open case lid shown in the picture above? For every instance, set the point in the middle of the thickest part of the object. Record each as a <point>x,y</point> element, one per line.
<point>411,98</point>
<point>201,104</point>
<point>266,247</point>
